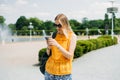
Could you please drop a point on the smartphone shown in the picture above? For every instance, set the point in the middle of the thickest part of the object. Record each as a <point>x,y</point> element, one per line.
<point>47,37</point>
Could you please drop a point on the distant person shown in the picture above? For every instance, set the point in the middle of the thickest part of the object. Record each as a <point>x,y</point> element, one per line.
<point>59,64</point>
<point>12,40</point>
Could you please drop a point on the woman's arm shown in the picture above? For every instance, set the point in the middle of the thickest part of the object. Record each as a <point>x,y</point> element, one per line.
<point>48,51</point>
<point>67,54</point>
<point>70,53</point>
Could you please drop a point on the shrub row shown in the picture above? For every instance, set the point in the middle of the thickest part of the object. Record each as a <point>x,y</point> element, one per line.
<point>33,32</point>
<point>41,51</point>
<point>78,32</point>
<point>84,46</point>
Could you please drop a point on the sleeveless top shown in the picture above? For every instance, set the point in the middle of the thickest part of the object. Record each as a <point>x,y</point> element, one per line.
<point>57,64</point>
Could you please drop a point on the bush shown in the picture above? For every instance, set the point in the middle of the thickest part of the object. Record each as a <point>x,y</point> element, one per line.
<point>87,45</point>
<point>94,41</point>
<point>43,50</point>
<point>84,46</point>
<point>115,40</point>
<point>109,40</point>
<point>78,51</point>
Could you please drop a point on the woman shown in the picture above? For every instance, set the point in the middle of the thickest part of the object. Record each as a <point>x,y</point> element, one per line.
<point>59,64</point>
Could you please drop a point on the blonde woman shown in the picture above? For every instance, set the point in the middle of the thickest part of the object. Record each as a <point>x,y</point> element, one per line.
<point>59,64</point>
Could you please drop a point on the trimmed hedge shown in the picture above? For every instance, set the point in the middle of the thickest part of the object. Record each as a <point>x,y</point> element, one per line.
<point>43,50</point>
<point>78,51</point>
<point>84,46</point>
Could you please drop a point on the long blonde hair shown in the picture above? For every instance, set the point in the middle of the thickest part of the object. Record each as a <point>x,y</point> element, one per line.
<point>63,20</point>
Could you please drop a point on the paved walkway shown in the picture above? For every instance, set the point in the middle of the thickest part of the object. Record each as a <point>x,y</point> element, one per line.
<point>102,64</point>
<point>17,62</point>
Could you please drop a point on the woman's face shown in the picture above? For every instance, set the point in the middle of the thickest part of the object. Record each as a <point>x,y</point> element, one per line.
<point>59,27</point>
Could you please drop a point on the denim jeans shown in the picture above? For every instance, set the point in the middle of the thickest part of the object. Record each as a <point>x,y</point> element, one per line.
<point>57,77</point>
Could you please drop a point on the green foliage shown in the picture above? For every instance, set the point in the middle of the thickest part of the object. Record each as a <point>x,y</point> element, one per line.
<point>96,24</point>
<point>84,46</point>
<point>48,25</point>
<point>22,21</point>
<point>37,24</point>
<point>75,24</point>
<point>117,24</point>
<point>43,50</point>
<point>106,22</point>
<point>24,28</point>
<point>115,40</point>
<point>85,23</point>
<point>78,51</point>
<point>94,41</point>
<point>109,39</point>
<point>12,26</point>
<point>27,32</point>
<point>2,19</point>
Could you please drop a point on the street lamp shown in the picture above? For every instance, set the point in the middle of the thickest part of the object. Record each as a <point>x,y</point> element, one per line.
<point>30,27</point>
<point>112,10</point>
<point>87,32</point>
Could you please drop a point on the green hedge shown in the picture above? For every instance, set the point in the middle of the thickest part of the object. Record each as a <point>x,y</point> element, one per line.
<point>40,53</point>
<point>78,51</point>
<point>33,32</point>
<point>84,46</point>
<point>77,32</point>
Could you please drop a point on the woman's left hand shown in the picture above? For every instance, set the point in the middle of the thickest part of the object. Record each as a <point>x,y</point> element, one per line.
<point>52,42</point>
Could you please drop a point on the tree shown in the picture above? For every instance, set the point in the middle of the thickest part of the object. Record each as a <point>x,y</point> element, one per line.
<point>95,24</point>
<point>36,23</point>
<point>85,23</point>
<point>22,21</point>
<point>117,23</point>
<point>12,26</point>
<point>2,19</point>
<point>106,21</point>
<point>75,24</point>
<point>48,25</point>
<point>114,18</point>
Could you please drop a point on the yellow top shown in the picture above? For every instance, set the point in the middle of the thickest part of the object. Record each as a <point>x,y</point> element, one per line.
<point>57,64</point>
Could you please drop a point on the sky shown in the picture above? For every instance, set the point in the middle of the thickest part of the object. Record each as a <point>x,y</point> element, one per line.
<point>48,9</point>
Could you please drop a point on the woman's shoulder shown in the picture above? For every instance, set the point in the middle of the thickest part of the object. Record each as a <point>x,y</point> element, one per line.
<point>73,36</point>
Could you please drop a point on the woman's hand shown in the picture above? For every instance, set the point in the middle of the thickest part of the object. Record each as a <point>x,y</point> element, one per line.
<point>52,42</point>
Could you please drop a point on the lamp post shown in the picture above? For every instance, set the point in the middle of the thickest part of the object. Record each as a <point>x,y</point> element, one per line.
<point>87,32</point>
<point>112,10</point>
<point>30,27</point>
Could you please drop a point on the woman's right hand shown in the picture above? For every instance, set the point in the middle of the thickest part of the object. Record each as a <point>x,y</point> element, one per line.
<point>48,45</point>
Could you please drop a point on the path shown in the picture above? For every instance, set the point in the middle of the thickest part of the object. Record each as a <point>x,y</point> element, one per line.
<point>17,62</point>
<point>102,64</point>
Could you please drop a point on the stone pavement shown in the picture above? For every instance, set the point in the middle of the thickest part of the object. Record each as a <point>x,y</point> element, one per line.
<point>18,62</point>
<point>102,64</point>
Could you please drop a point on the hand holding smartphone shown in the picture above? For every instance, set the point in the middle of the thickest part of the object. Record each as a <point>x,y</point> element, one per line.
<point>47,37</point>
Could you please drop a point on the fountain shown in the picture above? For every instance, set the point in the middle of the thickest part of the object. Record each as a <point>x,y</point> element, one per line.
<point>87,33</point>
<point>5,34</point>
<point>44,34</point>
<point>31,27</point>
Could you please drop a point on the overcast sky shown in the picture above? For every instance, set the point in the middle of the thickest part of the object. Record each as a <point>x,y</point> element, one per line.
<point>48,9</point>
